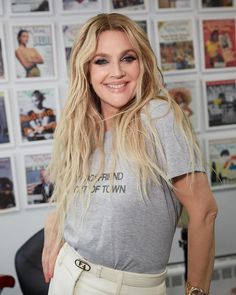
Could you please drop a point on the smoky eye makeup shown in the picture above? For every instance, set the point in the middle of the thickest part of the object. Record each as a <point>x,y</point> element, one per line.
<point>100,61</point>
<point>129,58</point>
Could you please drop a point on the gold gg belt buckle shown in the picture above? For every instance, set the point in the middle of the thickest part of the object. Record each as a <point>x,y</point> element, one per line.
<point>82,264</point>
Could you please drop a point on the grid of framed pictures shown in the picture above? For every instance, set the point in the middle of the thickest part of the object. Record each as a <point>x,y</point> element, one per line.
<point>195,45</point>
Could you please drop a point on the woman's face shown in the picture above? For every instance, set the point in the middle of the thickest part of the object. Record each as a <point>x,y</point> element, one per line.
<point>24,38</point>
<point>114,71</point>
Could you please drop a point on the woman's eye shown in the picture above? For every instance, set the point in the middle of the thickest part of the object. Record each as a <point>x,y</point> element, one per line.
<point>128,58</point>
<point>101,61</point>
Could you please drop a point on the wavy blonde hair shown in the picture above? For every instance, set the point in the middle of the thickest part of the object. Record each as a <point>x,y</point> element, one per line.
<point>81,127</point>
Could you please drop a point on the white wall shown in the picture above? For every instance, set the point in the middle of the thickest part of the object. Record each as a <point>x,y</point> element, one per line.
<point>17,227</point>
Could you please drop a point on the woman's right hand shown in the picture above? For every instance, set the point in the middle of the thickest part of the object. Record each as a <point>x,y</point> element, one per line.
<point>50,248</point>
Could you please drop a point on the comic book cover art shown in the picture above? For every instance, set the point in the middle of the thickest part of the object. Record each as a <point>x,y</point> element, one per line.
<point>219,43</point>
<point>221,102</point>
<point>222,156</point>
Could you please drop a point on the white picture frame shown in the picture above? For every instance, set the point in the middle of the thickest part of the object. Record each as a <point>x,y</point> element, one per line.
<point>1,7</point>
<point>221,159</point>
<point>34,125</point>
<point>34,164</point>
<point>41,47</point>
<point>219,101</point>
<point>6,131</point>
<point>177,5</point>
<point>187,90</point>
<point>8,180</point>
<point>224,49</point>
<point>222,8</point>
<point>68,32</point>
<point>3,60</point>
<point>74,7</point>
<point>30,8</point>
<point>127,8</point>
<point>140,21</point>
<point>171,59</point>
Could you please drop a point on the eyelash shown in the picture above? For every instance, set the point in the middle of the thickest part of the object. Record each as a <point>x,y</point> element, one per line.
<point>126,59</point>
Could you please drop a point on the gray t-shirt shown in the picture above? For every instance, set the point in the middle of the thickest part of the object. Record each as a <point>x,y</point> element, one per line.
<point>120,230</point>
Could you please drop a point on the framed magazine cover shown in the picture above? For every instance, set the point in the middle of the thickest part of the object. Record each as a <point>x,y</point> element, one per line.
<point>220,101</point>
<point>37,111</point>
<point>173,5</point>
<point>85,6</point>
<point>219,5</point>
<point>6,134</point>
<point>3,64</point>
<point>34,51</point>
<point>128,6</point>
<point>218,43</point>
<point>68,32</point>
<point>176,44</point>
<point>8,192</point>
<point>37,189</point>
<point>30,7</point>
<point>185,91</point>
<point>1,8</point>
<point>144,23</point>
<point>221,157</point>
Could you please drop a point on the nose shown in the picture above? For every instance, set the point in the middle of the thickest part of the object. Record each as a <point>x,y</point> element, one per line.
<point>116,70</point>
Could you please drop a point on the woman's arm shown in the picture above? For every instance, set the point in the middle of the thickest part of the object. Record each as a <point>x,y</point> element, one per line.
<point>50,248</point>
<point>23,58</point>
<point>200,204</point>
<point>35,57</point>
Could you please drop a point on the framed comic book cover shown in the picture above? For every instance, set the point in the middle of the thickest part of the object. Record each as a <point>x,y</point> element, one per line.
<point>218,43</point>
<point>30,7</point>
<point>185,91</point>
<point>216,5</point>
<point>176,44</point>
<point>34,52</point>
<point>221,155</point>
<point>38,110</point>
<point>220,101</point>
<point>85,6</point>
<point>8,188</point>
<point>144,24</point>
<point>6,132</point>
<point>128,6</point>
<point>173,5</point>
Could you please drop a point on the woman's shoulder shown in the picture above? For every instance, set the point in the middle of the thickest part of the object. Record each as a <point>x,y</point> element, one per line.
<point>158,109</point>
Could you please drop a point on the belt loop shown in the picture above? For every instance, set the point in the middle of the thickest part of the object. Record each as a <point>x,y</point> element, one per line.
<point>99,271</point>
<point>119,282</point>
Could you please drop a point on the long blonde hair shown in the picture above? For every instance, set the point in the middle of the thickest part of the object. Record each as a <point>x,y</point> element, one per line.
<point>81,127</point>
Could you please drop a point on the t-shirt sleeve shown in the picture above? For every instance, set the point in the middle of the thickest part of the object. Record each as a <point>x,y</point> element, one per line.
<point>177,158</point>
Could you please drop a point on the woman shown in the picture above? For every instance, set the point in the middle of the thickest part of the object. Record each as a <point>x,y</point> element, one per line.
<point>124,161</point>
<point>28,57</point>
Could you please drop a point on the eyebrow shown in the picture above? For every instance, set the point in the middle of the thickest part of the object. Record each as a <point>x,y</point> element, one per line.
<point>107,55</point>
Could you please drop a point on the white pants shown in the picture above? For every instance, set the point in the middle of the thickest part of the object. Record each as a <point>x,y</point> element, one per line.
<point>73,275</point>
